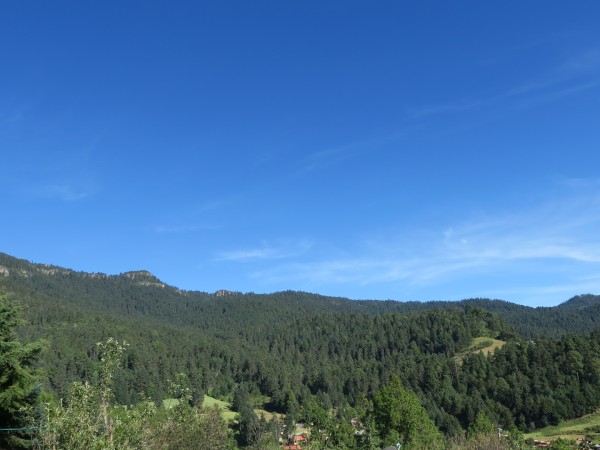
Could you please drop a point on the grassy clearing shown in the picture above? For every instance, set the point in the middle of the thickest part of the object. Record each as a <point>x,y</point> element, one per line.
<point>571,429</point>
<point>170,402</point>
<point>483,344</point>
<point>225,407</point>
<point>268,415</point>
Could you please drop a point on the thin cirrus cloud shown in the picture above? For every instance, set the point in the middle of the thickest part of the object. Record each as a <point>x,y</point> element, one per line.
<point>584,61</point>
<point>547,97</point>
<point>323,159</point>
<point>459,106</point>
<point>60,192</point>
<point>529,95</point>
<point>267,251</point>
<point>574,75</point>
<point>191,219</point>
<point>577,284</point>
<point>557,229</point>
<point>187,228</point>
<point>556,241</point>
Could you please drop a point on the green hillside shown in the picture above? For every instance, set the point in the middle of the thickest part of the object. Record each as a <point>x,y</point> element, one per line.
<point>140,295</point>
<point>579,428</point>
<point>304,351</point>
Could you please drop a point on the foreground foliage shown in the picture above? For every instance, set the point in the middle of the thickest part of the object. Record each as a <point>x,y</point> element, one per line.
<point>87,420</point>
<point>19,386</point>
<point>401,418</point>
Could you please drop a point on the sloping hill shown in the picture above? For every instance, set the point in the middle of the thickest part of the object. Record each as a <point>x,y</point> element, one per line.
<point>580,302</point>
<point>139,294</point>
<point>295,348</point>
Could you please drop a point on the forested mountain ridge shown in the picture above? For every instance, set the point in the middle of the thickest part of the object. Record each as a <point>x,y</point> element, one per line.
<point>581,302</point>
<point>140,294</point>
<point>300,351</point>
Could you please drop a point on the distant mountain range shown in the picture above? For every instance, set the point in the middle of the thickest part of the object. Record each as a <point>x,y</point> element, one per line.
<point>140,294</point>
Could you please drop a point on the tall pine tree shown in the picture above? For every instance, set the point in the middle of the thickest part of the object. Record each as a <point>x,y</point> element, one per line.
<point>399,417</point>
<point>19,390</point>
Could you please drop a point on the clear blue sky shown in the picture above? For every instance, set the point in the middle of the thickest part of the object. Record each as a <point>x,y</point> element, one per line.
<point>404,150</point>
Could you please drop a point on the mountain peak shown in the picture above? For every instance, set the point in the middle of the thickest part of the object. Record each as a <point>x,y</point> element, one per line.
<point>581,301</point>
<point>143,278</point>
<point>225,292</point>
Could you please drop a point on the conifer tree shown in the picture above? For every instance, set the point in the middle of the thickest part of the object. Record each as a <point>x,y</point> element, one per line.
<point>19,390</point>
<point>400,418</point>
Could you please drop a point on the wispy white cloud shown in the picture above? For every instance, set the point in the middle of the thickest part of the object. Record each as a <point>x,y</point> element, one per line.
<point>214,204</point>
<point>364,270</point>
<point>12,116</point>
<point>557,94</point>
<point>556,240</point>
<point>335,155</point>
<point>578,183</point>
<point>267,251</point>
<point>537,291</point>
<point>186,228</point>
<point>38,170</point>
<point>578,73</point>
<point>62,192</point>
<point>459,106</point>
<point>585,61</point>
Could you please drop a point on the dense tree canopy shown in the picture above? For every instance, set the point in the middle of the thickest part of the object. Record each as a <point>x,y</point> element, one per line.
<point>316,359</point>
<point>401,418</point>
<point>19,387</point>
